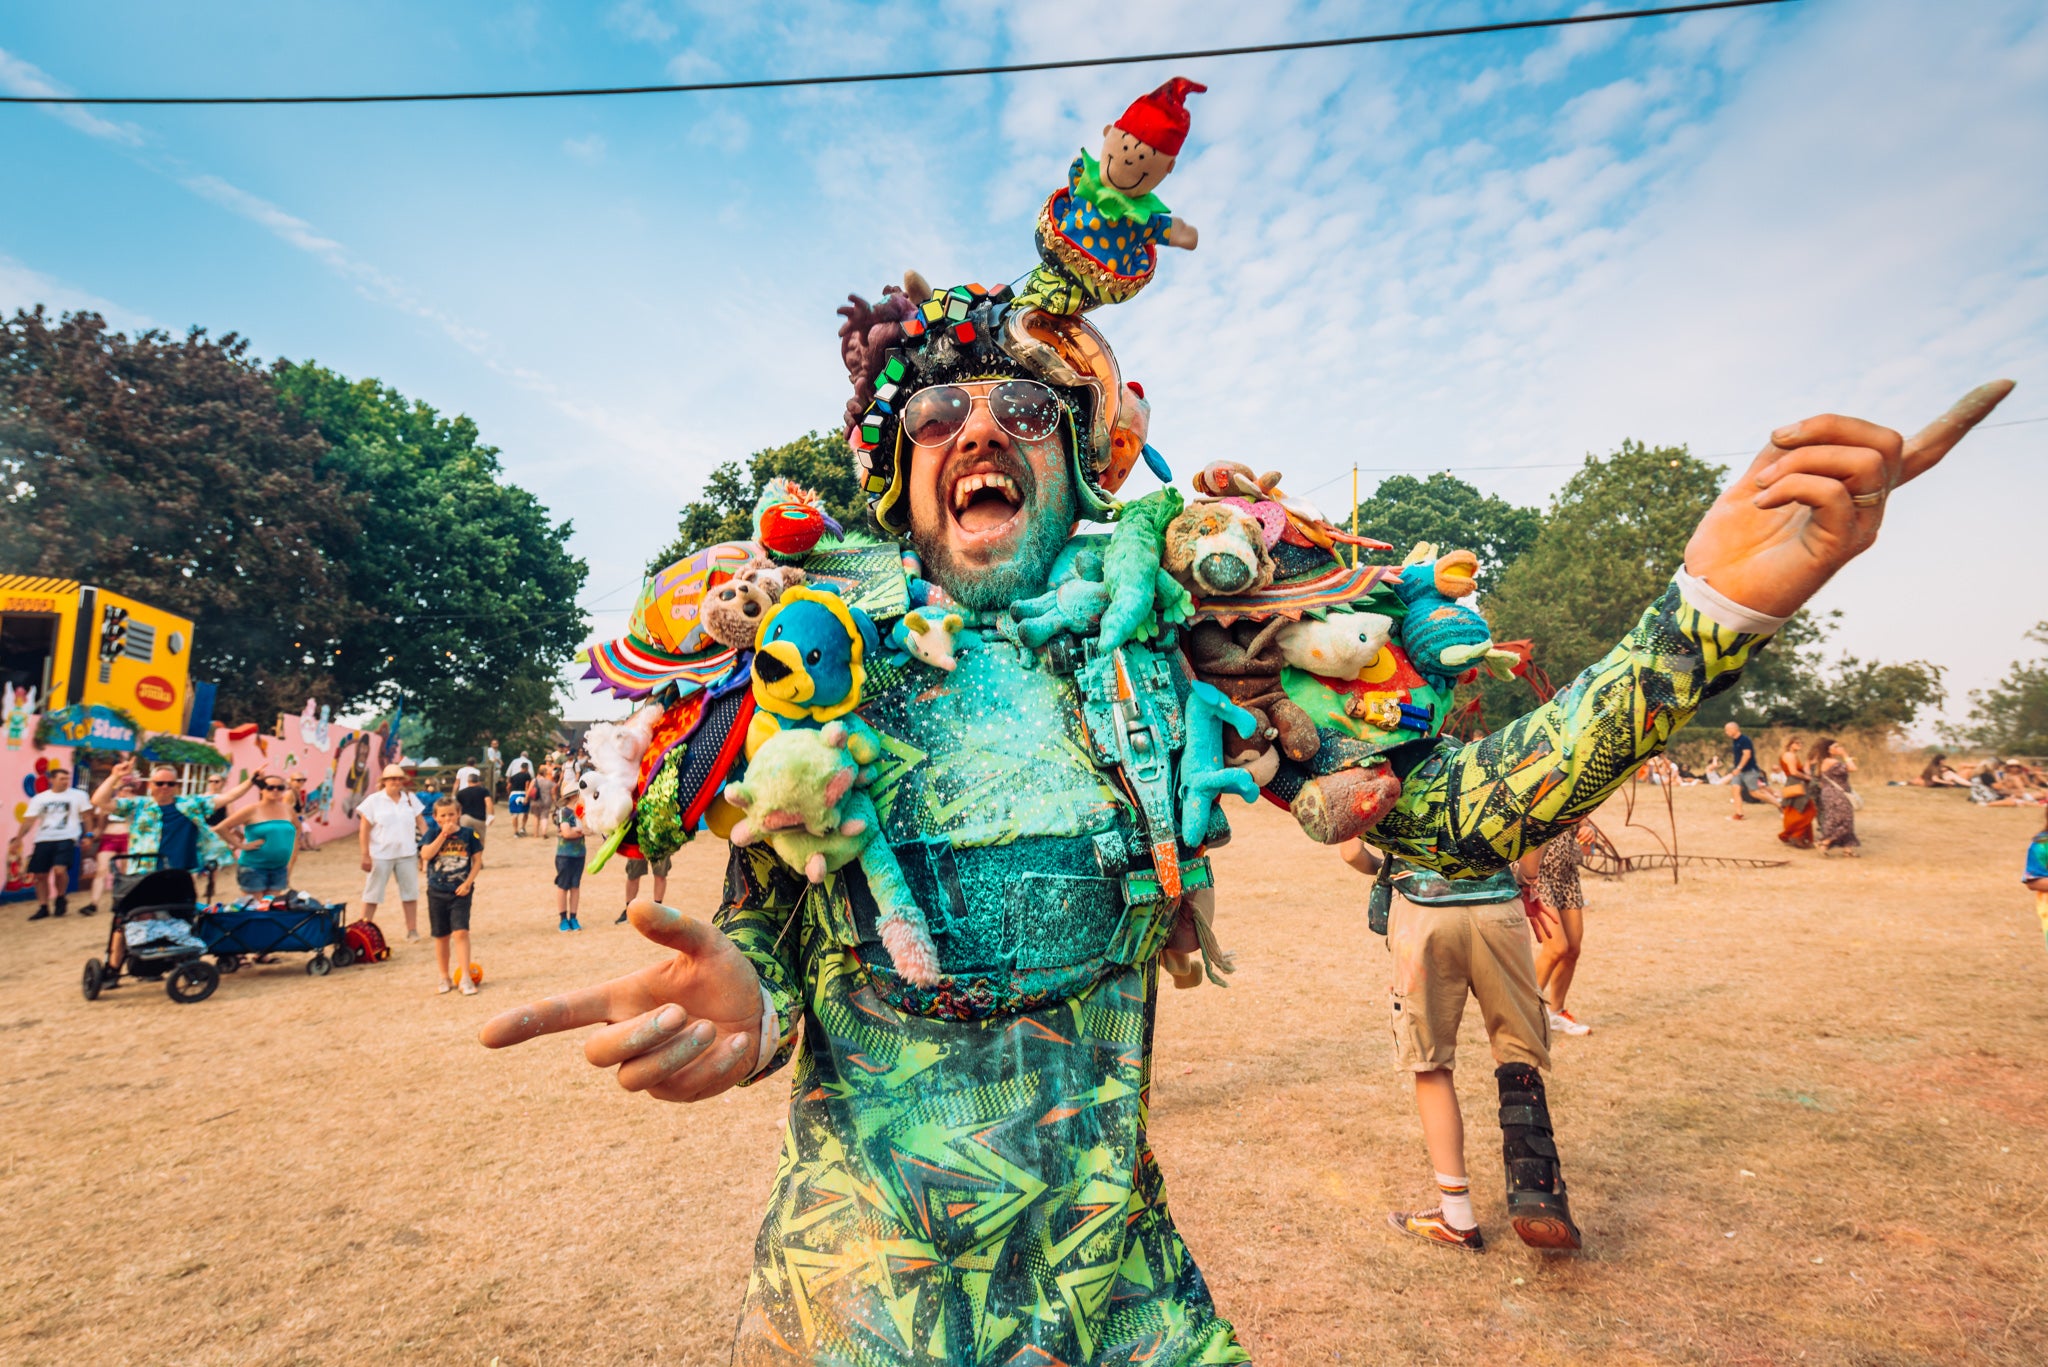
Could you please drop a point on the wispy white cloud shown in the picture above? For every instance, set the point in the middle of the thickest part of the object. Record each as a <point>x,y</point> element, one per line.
<point>589,149</point>
<point>639,21</point>
<point>23,288</point>
<point>19,77</point>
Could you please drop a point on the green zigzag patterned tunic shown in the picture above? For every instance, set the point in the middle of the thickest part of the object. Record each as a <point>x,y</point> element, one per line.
<point>965,1176</point>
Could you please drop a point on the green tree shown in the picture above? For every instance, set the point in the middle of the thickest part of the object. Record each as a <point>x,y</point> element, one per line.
<point>466,588</point>
<point>163,468</point>
<point>822,464</point>
<point>1447,511</point>
<point>2011,716</point>
<point>1789,684</point>
<point>1611,540</point>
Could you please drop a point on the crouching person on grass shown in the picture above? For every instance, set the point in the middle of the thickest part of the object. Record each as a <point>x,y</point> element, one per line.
<point>1450,938</point>
<point>454,858</point>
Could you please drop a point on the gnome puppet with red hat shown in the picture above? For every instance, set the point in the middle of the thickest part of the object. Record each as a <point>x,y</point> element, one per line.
<point>1098,237</point>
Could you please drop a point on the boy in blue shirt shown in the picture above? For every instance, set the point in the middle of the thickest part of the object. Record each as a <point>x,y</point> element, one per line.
<point>2036,875</point>
<point>569,835</point>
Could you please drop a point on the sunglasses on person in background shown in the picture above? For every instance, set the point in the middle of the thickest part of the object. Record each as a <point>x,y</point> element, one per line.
<point>163,783</point>
<point>1026,409</point>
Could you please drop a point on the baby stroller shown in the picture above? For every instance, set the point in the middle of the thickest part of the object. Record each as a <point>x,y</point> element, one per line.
<point>166,899</point>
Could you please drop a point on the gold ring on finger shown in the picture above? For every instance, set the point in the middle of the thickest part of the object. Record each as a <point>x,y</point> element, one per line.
<point>1873,499</point>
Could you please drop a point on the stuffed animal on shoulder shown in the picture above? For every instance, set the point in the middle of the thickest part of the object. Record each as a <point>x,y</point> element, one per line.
<point>810,656</point>
<point>1217,550</point>
<point>608,784</point>
<point>931,639</point>
<point>803,795</point>
<point>733,611</point>
<point>1444,637</point>
<point>1341,646</point>
<point>790,520</point>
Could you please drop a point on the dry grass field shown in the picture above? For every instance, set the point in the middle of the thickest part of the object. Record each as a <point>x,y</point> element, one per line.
<point>1811,1126</point>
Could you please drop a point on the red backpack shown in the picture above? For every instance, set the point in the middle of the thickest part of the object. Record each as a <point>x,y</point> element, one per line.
<point>366,942</point>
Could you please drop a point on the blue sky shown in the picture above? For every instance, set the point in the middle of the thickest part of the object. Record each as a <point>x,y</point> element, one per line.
<point>1487,255</point>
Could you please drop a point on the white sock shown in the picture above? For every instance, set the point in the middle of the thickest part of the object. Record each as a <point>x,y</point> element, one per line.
<point>1456,1194</point>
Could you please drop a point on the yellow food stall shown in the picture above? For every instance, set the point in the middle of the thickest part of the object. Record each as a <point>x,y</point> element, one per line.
<point>77,643</point>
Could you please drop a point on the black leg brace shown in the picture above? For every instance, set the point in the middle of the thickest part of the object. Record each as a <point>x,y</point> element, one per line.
<point>1536,1195</point>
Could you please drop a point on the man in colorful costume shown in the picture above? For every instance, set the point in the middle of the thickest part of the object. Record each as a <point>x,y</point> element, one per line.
<point>965,1176</point>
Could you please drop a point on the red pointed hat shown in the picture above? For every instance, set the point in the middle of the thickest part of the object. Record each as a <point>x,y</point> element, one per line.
<point>1160,120</point>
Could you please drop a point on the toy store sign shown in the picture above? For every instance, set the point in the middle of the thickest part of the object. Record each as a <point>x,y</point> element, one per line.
<point>92,726</point>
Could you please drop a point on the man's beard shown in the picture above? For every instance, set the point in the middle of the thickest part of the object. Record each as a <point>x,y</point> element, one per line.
<point>1048,523</point>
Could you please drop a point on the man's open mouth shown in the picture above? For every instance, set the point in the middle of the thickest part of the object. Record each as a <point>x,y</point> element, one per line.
<point>984,500</point>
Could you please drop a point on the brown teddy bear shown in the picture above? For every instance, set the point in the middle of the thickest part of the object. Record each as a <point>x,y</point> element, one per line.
<point>1217,550</point>
<point>733,611</point>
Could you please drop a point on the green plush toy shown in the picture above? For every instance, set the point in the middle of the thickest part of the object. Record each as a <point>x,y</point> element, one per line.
<point>802,795</point>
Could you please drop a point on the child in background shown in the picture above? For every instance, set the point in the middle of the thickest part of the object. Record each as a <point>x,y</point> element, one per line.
<point>569,835</point>
<point>2036,875</point>
<point>454,858</point>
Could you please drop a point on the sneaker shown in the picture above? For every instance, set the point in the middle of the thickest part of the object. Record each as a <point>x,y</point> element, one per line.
<point>445,986</point>
<point>1566,1023</point>
<point>89,909</point>
<point>412,935</point>
<point>622,919</point>
<point>563,925</point>
<point>468,988</point>
<point>63,905</point>
<point>42,914</point>
<point>1431,1225</point>
<point>575,924</point>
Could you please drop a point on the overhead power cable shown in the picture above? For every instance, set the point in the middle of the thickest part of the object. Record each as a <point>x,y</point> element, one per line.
<point>877,77</point>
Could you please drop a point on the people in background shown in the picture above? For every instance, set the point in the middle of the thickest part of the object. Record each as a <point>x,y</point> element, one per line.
<point>542,796</point>
<point>1939,773</point>
<point>475,801</point>
<point>55,818</point>
<point>454,858</point>
<point>1447,946</point>
<point>265,838</point>
<point>1795,798</point>
<point>2035,875</point>
<point>166,831</point>
<point>390,825</point>
<point>1831,769</point>
<point>569,843</point>
<point>494,765</point>
<point>1553,871</point>
<point>113,843</point>
<point>636,869</point>
<point>518,796</point>
<point>1744,774</point>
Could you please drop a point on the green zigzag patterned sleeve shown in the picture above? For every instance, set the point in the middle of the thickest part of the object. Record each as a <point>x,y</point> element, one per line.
<point>1473,809</point>
<point>762,906</point>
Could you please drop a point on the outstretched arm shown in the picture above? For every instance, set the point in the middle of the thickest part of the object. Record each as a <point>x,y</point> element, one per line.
<point>694,1025</point>
<point>682,1030</point>
<point>1811,501</point>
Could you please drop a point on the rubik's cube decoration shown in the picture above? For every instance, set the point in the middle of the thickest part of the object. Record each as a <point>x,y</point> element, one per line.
<point>941,318</point>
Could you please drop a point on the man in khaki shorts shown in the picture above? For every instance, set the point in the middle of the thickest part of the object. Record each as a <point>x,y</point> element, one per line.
<point>1449,940</point>
<point>636,869</point>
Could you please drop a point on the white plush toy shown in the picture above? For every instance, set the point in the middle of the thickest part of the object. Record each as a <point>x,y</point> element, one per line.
<point>1341,646</point>
<point>615,749</point>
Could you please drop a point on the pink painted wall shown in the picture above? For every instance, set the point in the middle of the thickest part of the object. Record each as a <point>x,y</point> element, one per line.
<point>340,764</point>
<point>19,763</point>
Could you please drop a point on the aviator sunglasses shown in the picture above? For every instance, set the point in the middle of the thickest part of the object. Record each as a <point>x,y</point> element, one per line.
<point>1026,409</point>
